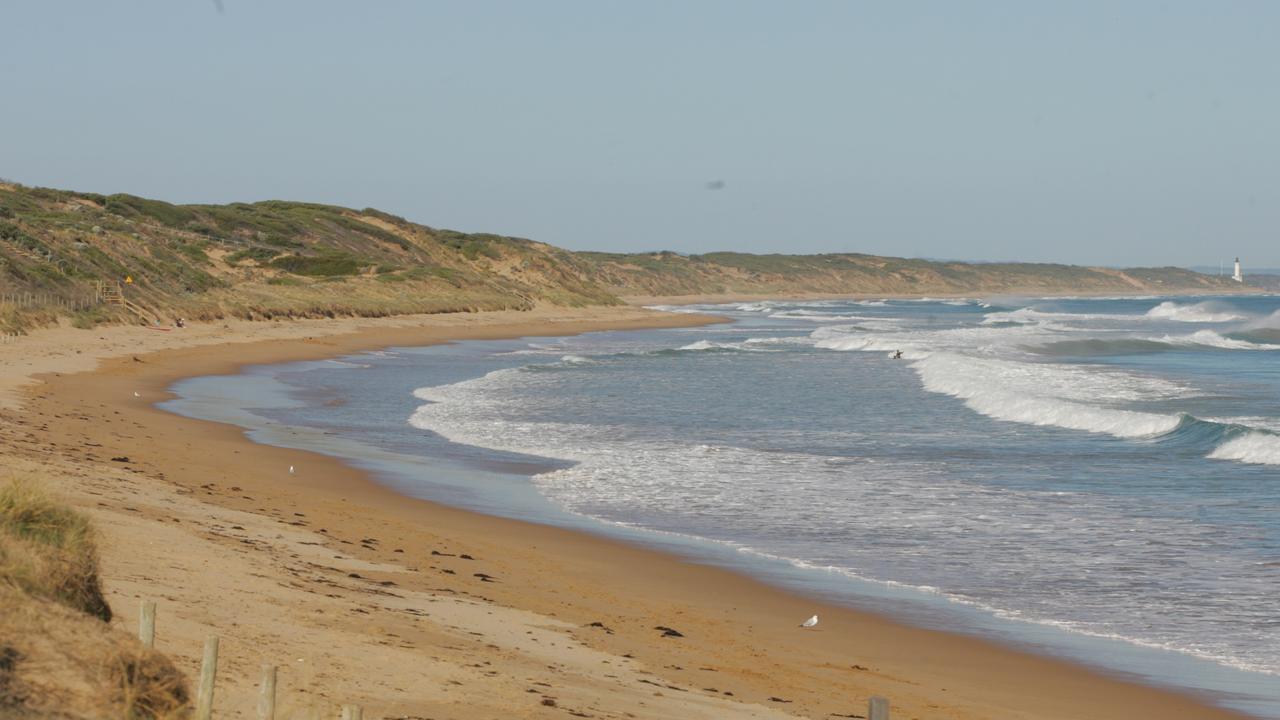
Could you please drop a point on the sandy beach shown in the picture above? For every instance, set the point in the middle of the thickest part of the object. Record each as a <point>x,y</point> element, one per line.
<point>419,610</point>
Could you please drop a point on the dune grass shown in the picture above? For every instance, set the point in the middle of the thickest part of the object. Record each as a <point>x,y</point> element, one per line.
<point>58,656</point>
<point>47,549</point>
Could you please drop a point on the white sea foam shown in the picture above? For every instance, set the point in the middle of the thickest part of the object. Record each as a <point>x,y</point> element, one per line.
<point>346,364</point>
<point>814,316</point>
<point>703,345</point>
<point>871,342</point>
<point>1211,338</point>
<point>686,309</point>
<point>1257,448</point>
<point>1028,315</point>
<point>1204,312</point>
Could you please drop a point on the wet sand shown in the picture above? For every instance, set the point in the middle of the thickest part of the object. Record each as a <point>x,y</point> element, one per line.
<point>416,609</point>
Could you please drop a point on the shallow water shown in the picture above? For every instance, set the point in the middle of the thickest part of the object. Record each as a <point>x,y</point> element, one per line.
<point>1095,478</point>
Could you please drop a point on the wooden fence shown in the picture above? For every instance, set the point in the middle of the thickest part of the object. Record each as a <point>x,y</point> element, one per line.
<point>50,300</point>
<point>877,707</point>
<point>209,673</point>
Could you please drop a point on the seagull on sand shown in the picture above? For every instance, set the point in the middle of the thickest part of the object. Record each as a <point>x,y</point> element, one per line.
<point>810,622</point>
<point>135,394</point>
<point>290,469</point>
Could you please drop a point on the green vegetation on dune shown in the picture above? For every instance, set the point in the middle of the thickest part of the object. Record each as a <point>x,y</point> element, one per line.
<point>293,259</point>
<point>667,273</point>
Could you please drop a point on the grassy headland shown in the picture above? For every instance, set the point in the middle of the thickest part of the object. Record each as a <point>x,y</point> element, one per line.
<point>290,259</point>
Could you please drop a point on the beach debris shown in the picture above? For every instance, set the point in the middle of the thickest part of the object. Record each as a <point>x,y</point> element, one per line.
<point>775,698</point>
<point>135,394</point>
<point>121,459</point>
<point>811,622</point>
<point>290,469</point>
<point>484,577</point>
<point>465,556</point>
<point>669,632</point>
<point>602,626</point>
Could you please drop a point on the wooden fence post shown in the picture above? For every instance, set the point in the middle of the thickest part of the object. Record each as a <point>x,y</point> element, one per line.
<point>878,709</point>
<point>352,712</point>
<point>267,698</point>
<point>147,624</point>
<point>208,670</point>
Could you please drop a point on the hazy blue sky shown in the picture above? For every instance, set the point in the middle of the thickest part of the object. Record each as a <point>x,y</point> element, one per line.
<point>1092,132</point>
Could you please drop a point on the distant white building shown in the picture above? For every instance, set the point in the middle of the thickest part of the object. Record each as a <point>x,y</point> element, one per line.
<point>1237,276</point>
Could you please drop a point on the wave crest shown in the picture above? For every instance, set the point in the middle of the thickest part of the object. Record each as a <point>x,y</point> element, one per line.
<point>1023,393</point>
<point>1258,448</point>
<point>1204,312</point>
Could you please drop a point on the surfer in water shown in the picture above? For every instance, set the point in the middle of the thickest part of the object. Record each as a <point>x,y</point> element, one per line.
<point>897,355</point>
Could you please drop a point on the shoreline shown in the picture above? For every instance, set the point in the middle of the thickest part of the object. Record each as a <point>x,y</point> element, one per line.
<point>749,648</point>
<point>718,299</point>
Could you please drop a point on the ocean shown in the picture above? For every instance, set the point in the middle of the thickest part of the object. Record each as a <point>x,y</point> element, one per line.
<point>1092,478</point>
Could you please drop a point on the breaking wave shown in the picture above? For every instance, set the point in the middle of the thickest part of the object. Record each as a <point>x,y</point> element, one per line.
<point>1088,398</point>
<point>1200,339</point>
<point>1039,394</point>
<point>1255,447</point>
<point>1204,312</point>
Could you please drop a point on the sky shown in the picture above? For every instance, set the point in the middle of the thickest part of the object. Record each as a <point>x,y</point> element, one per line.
<point>1106,133</point>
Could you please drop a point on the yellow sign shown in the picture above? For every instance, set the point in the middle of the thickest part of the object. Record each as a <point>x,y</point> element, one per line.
<point>128,279</point>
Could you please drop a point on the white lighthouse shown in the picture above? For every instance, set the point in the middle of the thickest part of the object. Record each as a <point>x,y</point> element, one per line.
<point>1237,276</point>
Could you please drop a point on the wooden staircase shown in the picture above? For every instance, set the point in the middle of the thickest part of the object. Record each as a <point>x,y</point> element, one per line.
<point>113,294</point>
<point>110,294</point>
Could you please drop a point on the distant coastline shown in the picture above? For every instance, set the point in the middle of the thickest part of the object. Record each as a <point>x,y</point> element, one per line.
<point>94,259</point>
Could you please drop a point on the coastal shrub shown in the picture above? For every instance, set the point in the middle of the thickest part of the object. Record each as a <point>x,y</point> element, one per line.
<point>331,263</point>
<point>90,318</point>
<point>257,254</point>
<point>95,198</point>
<point>281,241</point>
<point>10,232</point>
<point>165,213</point>
<point>365,228</point>
<point>193,251</point>
<point>393,219</point>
